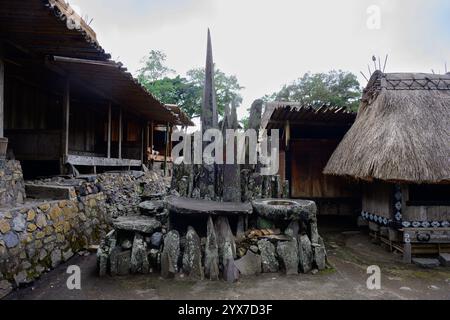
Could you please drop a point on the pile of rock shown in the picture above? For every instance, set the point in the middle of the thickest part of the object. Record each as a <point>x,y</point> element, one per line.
<point>12,188</point>
<point>125,190</point>
<point>133,246</point>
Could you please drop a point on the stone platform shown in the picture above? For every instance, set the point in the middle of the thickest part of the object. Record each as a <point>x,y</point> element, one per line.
<point>200,207</point>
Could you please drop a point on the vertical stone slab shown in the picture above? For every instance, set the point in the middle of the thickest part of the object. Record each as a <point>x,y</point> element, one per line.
<point>211,252</point>
<point>268,256</point>
<point>231,172</point>
<point>305,254</point>
<point>192,257</point>
<point>170,254</point>
<point>224,235</point>
<point>288,253</point>
<point>139,259</point>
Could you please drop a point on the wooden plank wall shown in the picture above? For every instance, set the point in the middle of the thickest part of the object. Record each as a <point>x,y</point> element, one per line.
<point>32,121</point>
<point>423,213</point>
<point>377,199</point>
<point>308,159</point>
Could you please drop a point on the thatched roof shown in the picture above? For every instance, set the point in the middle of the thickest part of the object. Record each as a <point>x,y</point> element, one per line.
<point>401,133</point>
<point>278,112</point>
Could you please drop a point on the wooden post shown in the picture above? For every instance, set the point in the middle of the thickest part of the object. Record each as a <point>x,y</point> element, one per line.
<point>287,134</point>
<point>2,99</point>
<point>65,125</point>
<point>167,149</point>
<point>142,145</point>
<point>152,128</point>
<point>147,141</point>
<point>109,130</point>
<point>120,133</point>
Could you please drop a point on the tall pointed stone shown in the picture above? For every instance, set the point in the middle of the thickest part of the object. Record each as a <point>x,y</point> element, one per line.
<point>207,183</point>
<point>231,172</point>
<point>209,105</point>
<point>254,121</point>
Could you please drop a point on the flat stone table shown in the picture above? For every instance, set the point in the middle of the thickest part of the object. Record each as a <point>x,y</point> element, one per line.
<point>142,224</point>
<point>189,206</point>
<point>285,209</point>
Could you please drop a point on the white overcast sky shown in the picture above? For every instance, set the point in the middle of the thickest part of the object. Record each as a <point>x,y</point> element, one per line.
<point>269,43</point>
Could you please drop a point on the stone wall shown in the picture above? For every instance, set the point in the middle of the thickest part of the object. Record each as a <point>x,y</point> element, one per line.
<point>12,188</point>
<point>38,236</point>
<point>125,190</point>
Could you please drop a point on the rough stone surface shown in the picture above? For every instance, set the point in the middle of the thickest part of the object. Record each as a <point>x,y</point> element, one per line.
<point>5,288</point>
<point>12,185</point>
<point>288,253</point>
<point>320,256</point>
<point>305,254</point>
<point>170,254</point>
<point>224,236</point>
<point>250,264</point>
<point>189,206</point>
<point>444,259</point>
<point>123,263</point>
<point>156,239</point>
<point>285,209</point>
<point>124,190</point>
<point>142,224</point>
<point>211,252</point>
<point>192,257</point>
<point>268,256</point>
<point>139,260</point>
<point>426,263</point>
<point>151,207</point>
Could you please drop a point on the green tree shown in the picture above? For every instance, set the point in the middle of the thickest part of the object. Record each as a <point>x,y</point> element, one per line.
<point>187,92</point>
<point>154,67</point>
<point>337,88</point>
<point>227,88</point>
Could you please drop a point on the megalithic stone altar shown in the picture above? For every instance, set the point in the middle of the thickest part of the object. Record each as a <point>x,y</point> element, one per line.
<point>207,181</point>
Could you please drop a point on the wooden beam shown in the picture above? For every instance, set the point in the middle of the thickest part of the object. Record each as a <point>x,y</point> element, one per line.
<point>109,130</point>
<point>147,140</point>
<point>167,148</point>
<point>99,161</point>
<point>287,134</point>
<point>120,133</point>
<point>86,62</point>
<point>66,118</point>
<point>2,97</point>
<point>152,129</point>
<point>142,144</point>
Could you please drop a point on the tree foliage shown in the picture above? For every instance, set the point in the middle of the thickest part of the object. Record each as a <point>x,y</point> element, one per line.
<point>154,67</point>
<point>187,92</point>
<point>336,88</point>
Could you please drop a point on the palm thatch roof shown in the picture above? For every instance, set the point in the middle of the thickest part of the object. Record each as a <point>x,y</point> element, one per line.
<point>401,133</point>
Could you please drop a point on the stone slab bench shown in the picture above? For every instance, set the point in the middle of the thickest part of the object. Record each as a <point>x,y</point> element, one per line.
<point>189,206</point>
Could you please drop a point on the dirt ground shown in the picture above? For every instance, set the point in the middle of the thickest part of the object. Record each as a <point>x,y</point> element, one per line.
<point>349,254</point>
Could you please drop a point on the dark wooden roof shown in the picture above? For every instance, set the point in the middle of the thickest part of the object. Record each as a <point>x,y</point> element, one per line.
<point>277,114</point>
<point>46,29</point>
